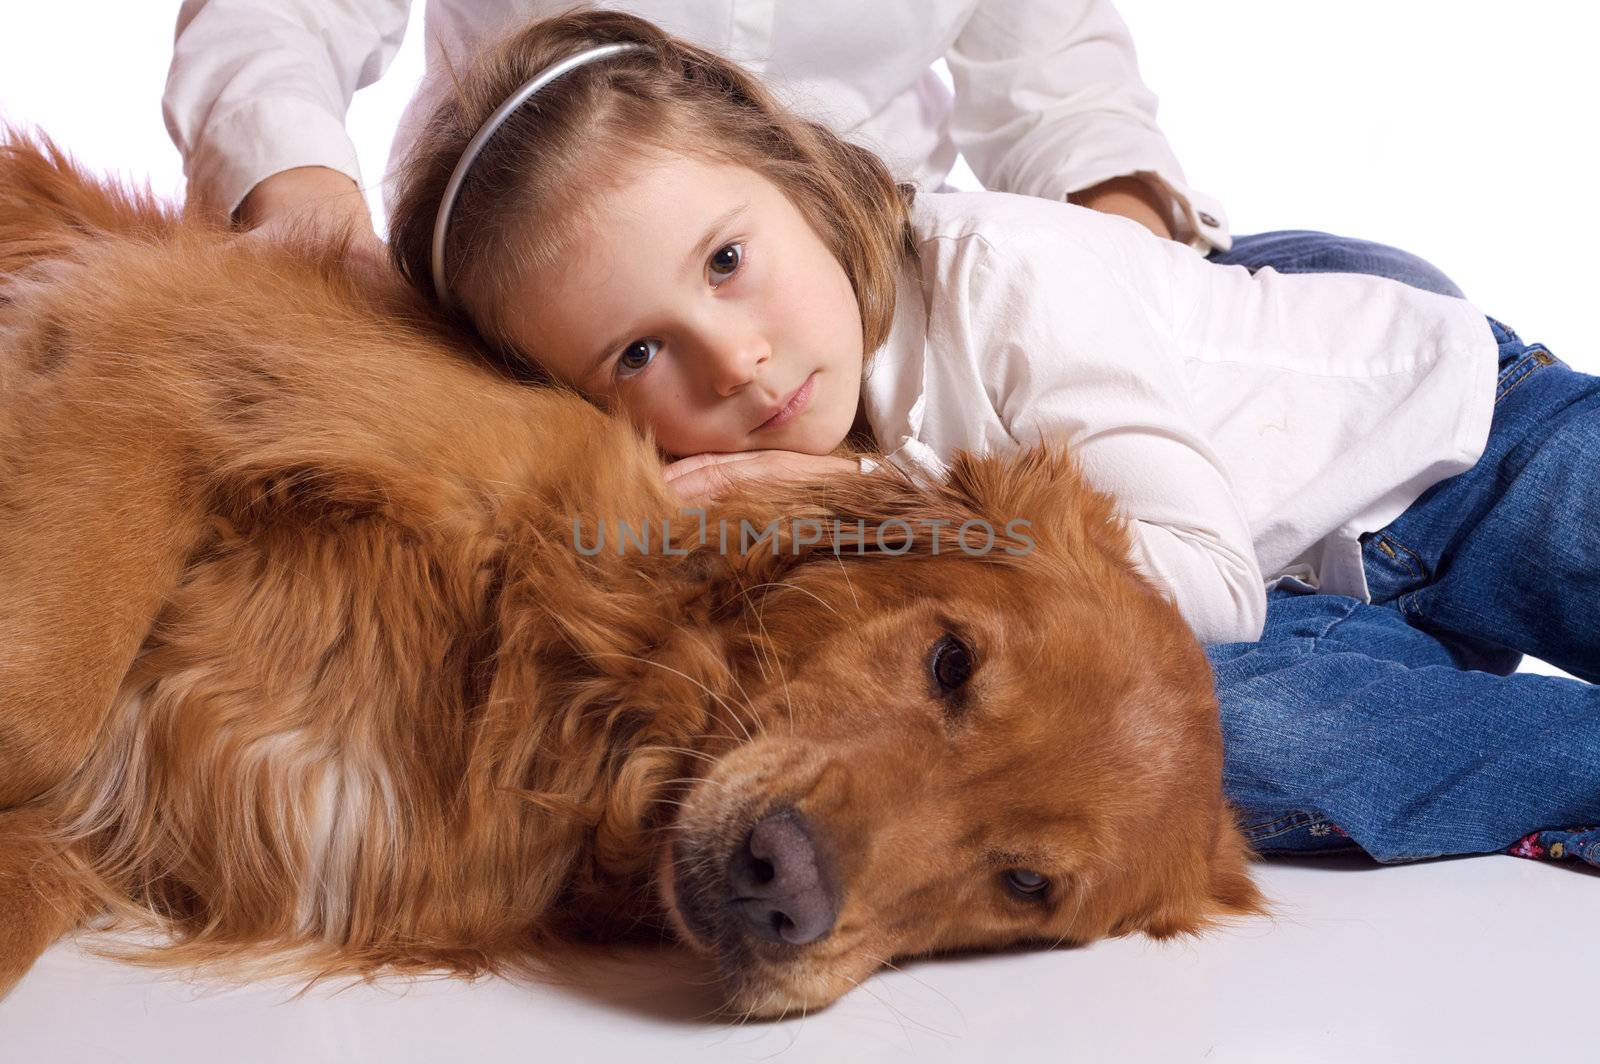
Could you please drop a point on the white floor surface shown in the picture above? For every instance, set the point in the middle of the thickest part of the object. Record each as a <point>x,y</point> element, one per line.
<point>1467,960</point>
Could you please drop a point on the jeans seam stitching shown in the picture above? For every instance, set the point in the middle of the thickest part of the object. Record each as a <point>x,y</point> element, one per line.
<point>1410,563</point>
<point>1413,559</point>
<point>1407,604</point>
<point>1511,383</point>
<point>1528,364</point>
<point>1349,609</point>
<point>1280,825</point>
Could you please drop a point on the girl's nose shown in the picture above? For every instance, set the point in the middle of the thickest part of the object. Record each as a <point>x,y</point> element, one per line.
<point>732,361</point>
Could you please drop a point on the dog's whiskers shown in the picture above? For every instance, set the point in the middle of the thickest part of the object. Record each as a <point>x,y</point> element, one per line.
<point>844,571</point>
<point>697,779</point>
<point>792,585</point>
<point>884,962</point>
<point>783,678</point>
<point>721,701</point>
<point>899,1015</point>
<point>1072,921</point>
<point>688,752</point>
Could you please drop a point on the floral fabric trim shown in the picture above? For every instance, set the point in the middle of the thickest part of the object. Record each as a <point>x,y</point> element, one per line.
<point>1559,844</point>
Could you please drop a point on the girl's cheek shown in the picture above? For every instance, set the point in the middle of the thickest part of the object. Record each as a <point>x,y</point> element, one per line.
<point>652,406</point>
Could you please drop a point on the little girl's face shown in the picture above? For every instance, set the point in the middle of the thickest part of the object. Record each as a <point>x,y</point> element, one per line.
<point>701,303</point>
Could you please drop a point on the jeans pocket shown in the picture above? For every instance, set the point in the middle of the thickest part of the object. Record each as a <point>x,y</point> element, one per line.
<point>1394,571</point>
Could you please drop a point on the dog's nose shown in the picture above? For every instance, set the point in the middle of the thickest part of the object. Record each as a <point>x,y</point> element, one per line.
<point>779,893</point>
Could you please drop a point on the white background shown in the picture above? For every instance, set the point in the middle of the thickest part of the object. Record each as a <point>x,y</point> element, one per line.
<point>1460,129</point>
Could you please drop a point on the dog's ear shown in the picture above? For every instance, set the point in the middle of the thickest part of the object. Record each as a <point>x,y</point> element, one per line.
<point>1042,488</point>
<point>1233,890</point>
<point>760,535</point>
<point>1223,888</point>
<point>1035,497</point>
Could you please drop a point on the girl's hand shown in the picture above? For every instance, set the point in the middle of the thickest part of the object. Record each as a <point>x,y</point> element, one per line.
<point>704,478</point>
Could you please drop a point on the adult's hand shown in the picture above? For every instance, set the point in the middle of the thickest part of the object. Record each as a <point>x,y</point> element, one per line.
<point>318,200</point>
<point>704,478</point>
<point>1128,197</point>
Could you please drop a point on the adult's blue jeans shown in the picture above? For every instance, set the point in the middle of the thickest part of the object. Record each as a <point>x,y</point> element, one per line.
<point>1399,725</point>
<point>1306,251</point>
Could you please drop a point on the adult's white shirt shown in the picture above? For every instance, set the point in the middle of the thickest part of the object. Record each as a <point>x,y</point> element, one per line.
<point>1048,99</point>
<point>1249,427</point>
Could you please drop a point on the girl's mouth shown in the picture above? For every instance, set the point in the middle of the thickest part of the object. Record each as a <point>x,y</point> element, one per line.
<point>792,406</point>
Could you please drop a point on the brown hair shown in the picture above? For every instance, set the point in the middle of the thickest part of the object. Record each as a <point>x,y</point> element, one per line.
<point>524,201</point>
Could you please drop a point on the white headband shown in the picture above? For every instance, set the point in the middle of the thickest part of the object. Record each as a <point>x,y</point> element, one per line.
<point>441,221</point>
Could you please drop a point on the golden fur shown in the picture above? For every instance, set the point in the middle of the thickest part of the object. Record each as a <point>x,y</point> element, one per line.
<point>300,667</point>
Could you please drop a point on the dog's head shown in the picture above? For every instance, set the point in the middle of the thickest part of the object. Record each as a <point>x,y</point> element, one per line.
<point>1008,738</point>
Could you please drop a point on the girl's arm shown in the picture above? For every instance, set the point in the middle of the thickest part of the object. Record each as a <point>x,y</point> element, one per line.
<point>259,87</point>
<point>1049,102</point>
<point>1073,346</point>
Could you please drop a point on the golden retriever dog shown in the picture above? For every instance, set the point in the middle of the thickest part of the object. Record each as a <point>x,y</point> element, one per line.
<point>312,658</point>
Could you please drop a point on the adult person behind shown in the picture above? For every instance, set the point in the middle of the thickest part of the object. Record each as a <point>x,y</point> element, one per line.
<point>1047,102</point>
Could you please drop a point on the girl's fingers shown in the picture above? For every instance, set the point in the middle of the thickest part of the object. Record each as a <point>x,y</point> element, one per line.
<point>682,466</point>
<point>708,481</point>
<point>708,476</point>
<point>699,485</point>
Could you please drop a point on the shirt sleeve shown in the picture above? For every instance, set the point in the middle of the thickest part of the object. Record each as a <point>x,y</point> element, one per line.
<point>1048,101</point>
<point>261,86</point>
<point>1077,339</point>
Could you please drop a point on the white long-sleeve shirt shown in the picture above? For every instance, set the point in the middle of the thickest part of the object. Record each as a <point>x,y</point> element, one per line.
<point>1250,427</point>
<point>1047,102</point>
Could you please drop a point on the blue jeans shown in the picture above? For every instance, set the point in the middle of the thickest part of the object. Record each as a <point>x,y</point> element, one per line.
<point>1398,725</point>
<point>1305,251</point>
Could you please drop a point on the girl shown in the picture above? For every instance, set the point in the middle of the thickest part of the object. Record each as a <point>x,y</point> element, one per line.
<point>1329,474</point>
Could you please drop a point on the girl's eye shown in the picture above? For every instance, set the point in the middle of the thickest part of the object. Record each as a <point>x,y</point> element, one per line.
<point>725,262</point>
<point>636,356</point>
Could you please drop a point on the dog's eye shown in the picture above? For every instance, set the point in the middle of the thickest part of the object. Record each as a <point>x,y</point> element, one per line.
<point>1026,883</point>
<point>950,663</point>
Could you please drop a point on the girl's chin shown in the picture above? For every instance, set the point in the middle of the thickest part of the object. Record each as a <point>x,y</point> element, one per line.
<point>801,439</point>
